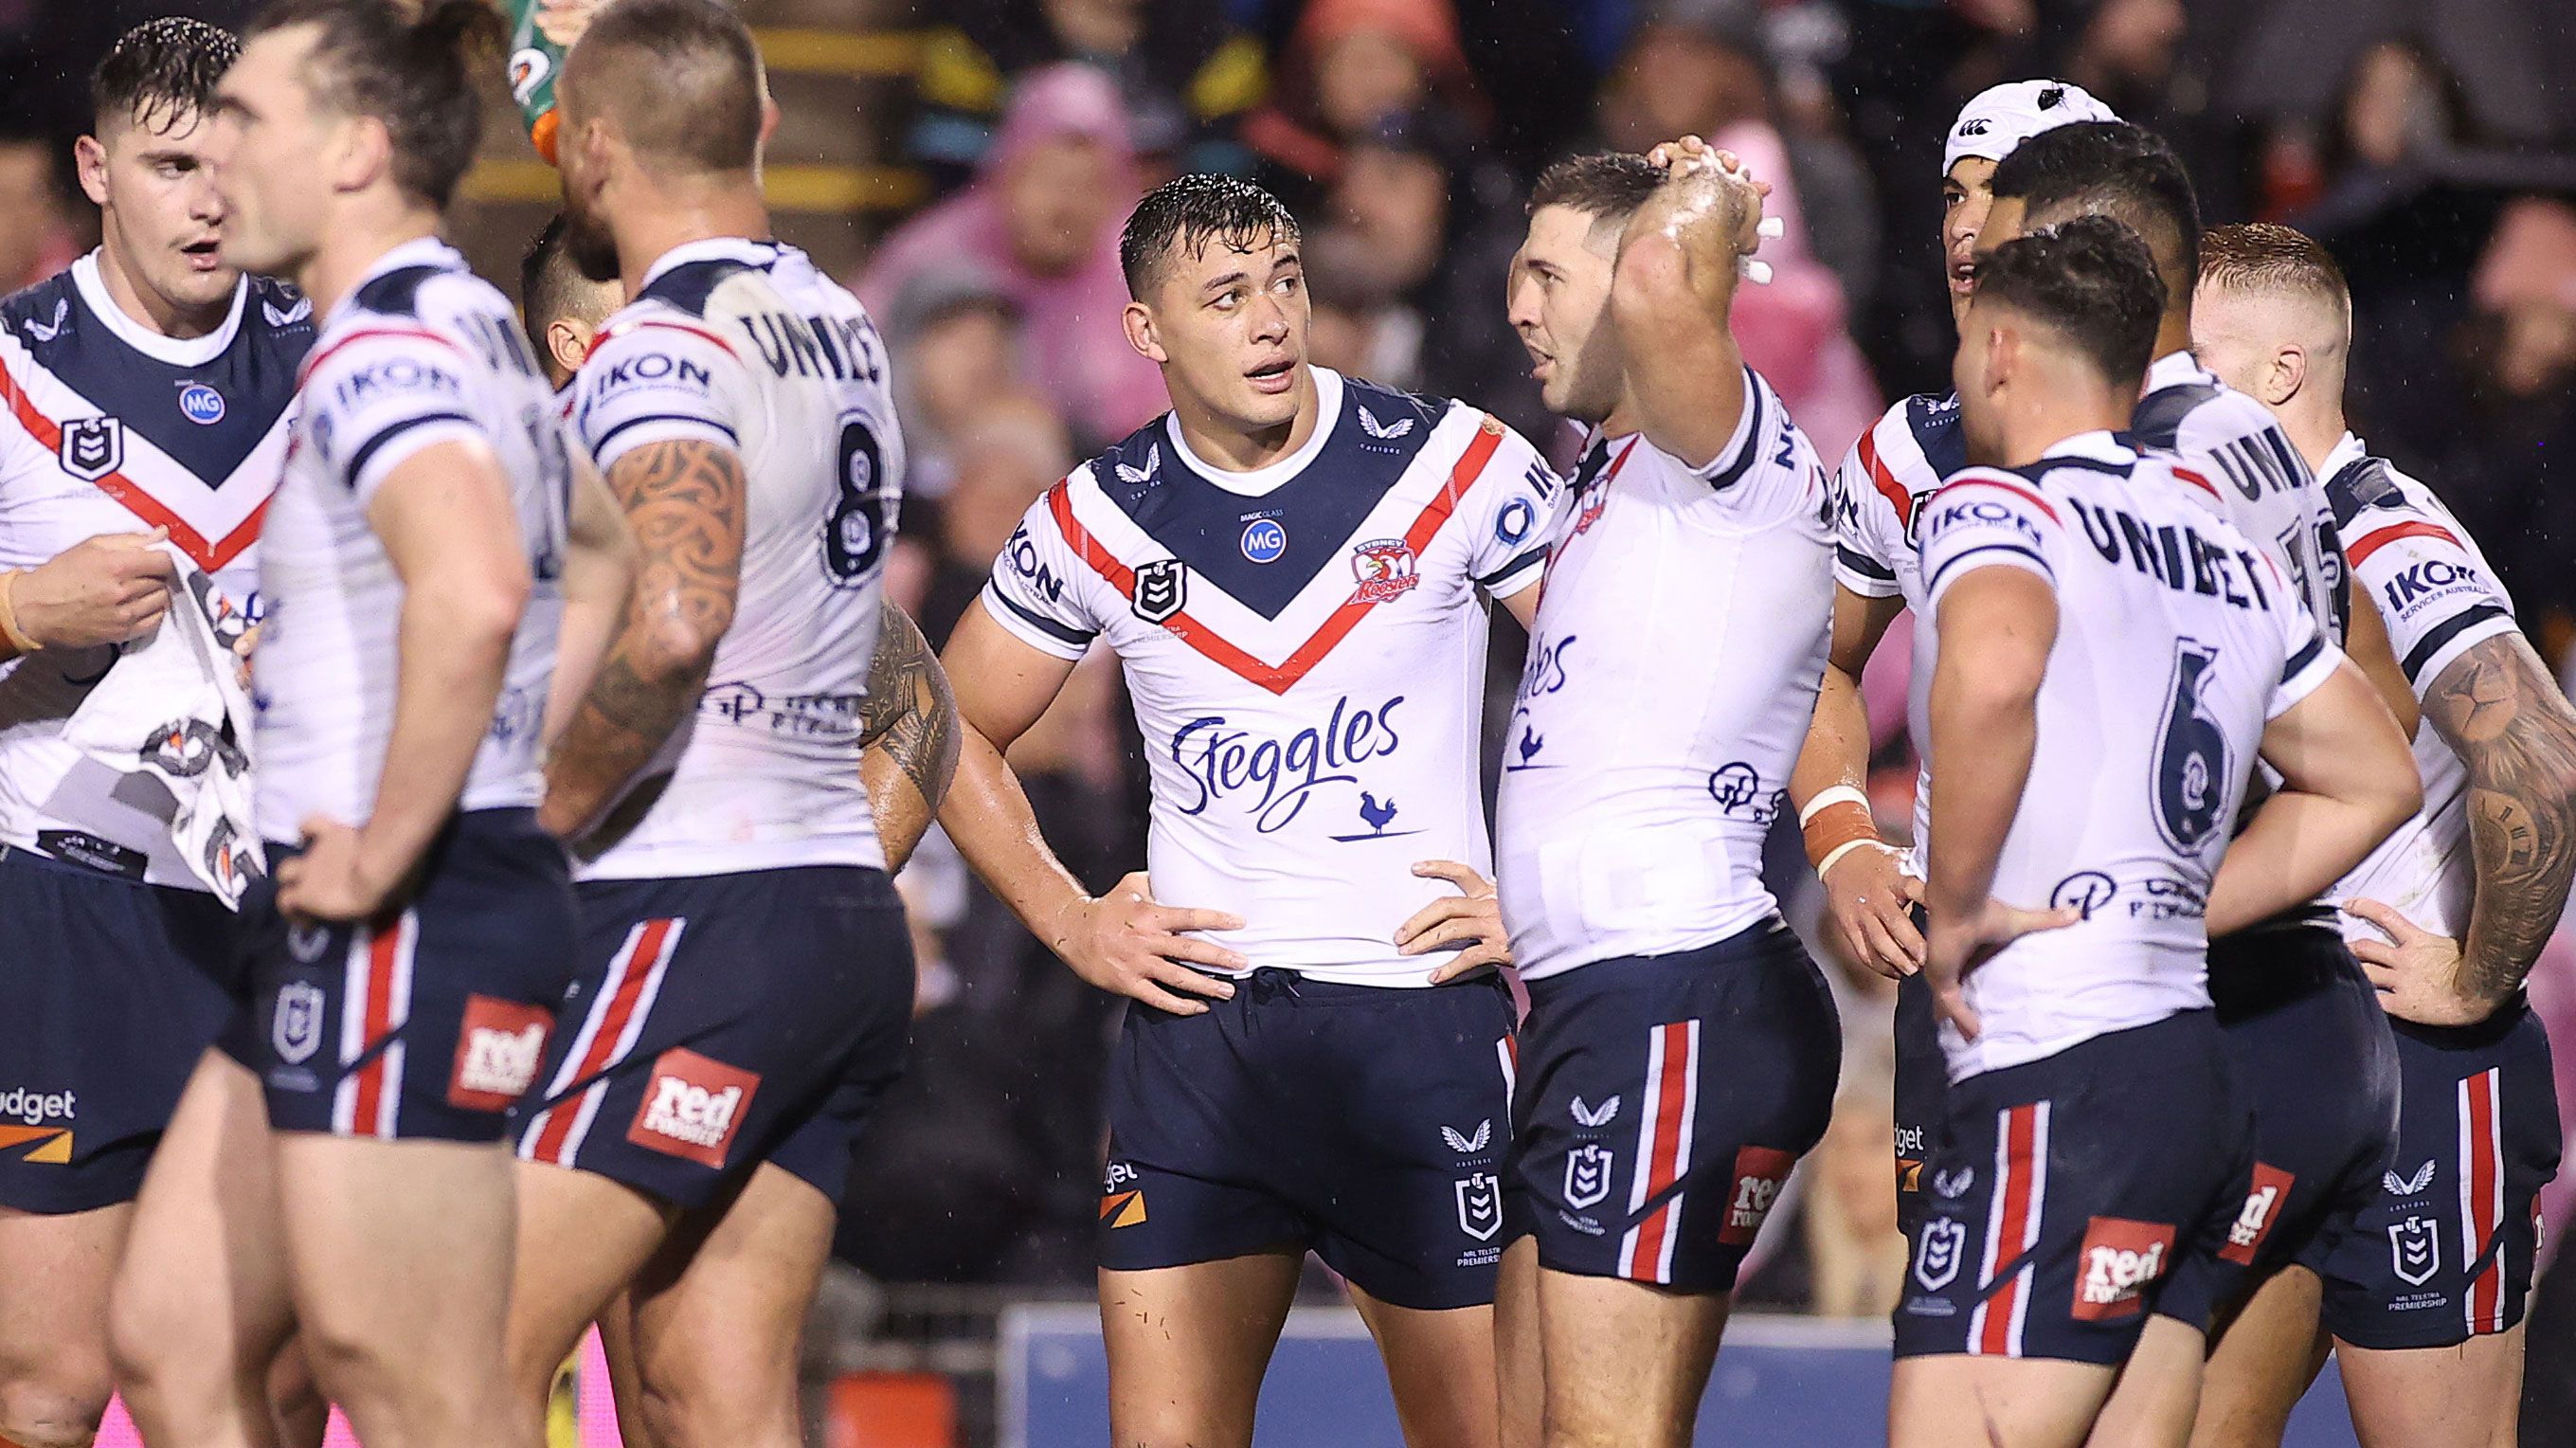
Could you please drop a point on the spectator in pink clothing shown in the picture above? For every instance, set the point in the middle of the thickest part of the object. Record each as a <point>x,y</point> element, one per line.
<point>1793,331</point>
<point>1041,218</point>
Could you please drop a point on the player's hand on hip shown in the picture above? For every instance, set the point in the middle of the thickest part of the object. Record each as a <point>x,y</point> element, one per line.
<point>1469,923</point>
<point>1126,943</point>
<point>1955,947</point>
<point>332,879</point>
<point>104,590</point>
<point>1872,897</point>
<point>2416,971</point>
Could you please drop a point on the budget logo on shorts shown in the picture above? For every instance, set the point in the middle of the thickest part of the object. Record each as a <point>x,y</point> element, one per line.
<point>1937,1256</point>
<point>1160,588</point>
<point>1384,568</point>
<point>2414,1251</point>
<point>2120,1257</point>
<point>2254,1220</point>
<point>1587,1175</point>
<point>497,1053</point>
<point>92,447</point>
<point>1759,1171</point>
<point>1480,1206</point>
<point>296,1029</point>
<point>692,1107</point>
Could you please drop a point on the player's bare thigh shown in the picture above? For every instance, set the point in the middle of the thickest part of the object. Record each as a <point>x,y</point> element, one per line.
<point>1954,1400</point>
<point>720,1309</point>
<point>2261,1364</point>
<point>1625,1363</point>
<point>1441,1367</point>
<point>581,1239</point>
<point>2469,1396</point>
<point>2157,1394</point>
<point>1188,1346</point>
<point>55,1270</point>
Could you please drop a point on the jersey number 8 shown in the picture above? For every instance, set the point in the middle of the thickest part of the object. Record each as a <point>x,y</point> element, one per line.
<point>863,514</point>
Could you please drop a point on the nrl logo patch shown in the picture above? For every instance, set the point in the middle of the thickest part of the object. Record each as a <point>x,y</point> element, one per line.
<point>92,447</point>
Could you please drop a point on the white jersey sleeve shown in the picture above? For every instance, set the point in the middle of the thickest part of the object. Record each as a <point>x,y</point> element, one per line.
<point>1508,508</point>
<point>1985,519</point>
<point>655,379</point>
<point>1041,589</point>
<point>1880,488</point>
<point>2432,586</point>
<point>381,396</point>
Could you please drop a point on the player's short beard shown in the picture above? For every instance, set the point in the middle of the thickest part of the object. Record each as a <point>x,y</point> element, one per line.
<point>588,242</point>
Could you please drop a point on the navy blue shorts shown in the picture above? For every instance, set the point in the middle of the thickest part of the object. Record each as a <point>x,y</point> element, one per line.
<point>113,989</point>
<point>1663,1100</point>
<point>1922,1081</point>
<point>428,1022</point>
<point>2063,1192</point>
<point>722,1021</point>
<point>2315,1060</point>
<point>2445,1245</point>
<point>1370,1123</point>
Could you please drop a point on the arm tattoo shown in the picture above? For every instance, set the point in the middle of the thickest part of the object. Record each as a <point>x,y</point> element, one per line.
<point>909,714</point>
<point>2497,708</point>
<point>684,503</point>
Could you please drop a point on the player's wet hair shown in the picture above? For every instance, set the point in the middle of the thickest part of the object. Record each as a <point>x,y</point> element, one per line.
<point>2262,256</point>
<point>2092,280</point>
<point>2113,168</point>
<point>682,78</point>
<point>1186,213</point>
<point>1607,186</point>
<point>161,75</point>
<point>546,279</point>
<point>416,76</point>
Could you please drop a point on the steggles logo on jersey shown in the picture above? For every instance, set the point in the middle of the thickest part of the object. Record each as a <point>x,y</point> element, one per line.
<point>1464,1144</point>
<point>92,447</point>
<point>2414,1250</point>
<point>2119,1258</point>
<point>693,1107</point>
<point>1265,540</point>
<point>1384,567</point>
<point>1737,788</point>
<point>296,1028</point>
<point>201,404</point>
<point>1480,1206</point>
<point>497,1053</point>
<point>1937,1255</point>
<point>1587,1175</point>
<point>1596,1116</point>
<point>1273,779</point>
<point>1161,589</point>
<point>1530,743</point>
<point>1377,816</point>
<point>2408,1186</point>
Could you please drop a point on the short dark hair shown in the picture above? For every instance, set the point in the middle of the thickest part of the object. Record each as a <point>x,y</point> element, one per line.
<point>415,76</point>
<point>2265,256</point>
<point>161,74</point>
<point>683,78</point>
<point>1187,212</point>
<point>2114,168</point>
<point>2090,278</point>
<point>1605,185</point>
<point>546,275</point>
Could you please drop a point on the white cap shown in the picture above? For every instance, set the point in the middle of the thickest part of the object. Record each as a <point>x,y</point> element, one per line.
<point>2001,117</point>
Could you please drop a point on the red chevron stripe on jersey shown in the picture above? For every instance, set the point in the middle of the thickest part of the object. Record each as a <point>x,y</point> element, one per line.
<point>209,555</point>
<point>1281,677</point>
<point>1885,481</point>
<point>2378,538</point>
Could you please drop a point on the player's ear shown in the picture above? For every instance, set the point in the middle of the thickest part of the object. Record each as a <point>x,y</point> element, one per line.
<point>1138,319</point>
<point>361,150</point>
<point>568,342</point>
<point>89,154</point>
<point>2287,374</point>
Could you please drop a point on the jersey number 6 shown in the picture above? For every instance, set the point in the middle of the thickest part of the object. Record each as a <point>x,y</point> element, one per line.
<point>2191,757</point>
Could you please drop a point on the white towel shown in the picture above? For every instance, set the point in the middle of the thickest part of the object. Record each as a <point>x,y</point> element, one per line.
<point>172,707</point>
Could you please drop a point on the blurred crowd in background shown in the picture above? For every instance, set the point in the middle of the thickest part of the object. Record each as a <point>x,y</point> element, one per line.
<point>2430,143</point>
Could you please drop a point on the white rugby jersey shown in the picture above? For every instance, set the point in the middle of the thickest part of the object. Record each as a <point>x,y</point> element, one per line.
<point>745,344</point>
<point>114,428</point>
<point>2177,641</point>
<point>1306,651</point>
<point>1878,493</point>
<point>421,352</point>
<point>2433,588</point>
<point>2232,449</point>
<point>1671,677</point>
